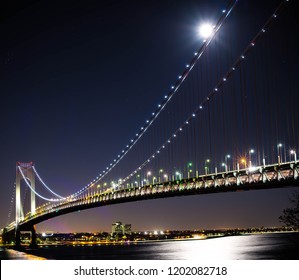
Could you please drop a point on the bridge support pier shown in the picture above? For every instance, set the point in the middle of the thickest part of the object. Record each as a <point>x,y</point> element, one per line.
<point>17,237</point>
<point>33,243</point>
<point>8,237</point>
<point>5,237</point>
<point>24,171</point>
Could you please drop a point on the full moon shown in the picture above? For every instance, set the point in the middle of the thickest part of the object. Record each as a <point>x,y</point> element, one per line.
<point>205,30</point>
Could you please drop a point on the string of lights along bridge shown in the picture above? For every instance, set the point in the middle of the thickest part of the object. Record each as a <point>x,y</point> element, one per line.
<point>229,122</point>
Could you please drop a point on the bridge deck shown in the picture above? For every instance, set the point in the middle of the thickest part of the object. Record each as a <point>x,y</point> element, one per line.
<point>262,177</point>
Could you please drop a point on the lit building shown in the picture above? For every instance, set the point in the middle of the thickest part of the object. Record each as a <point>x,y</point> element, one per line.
<point>127,229</point>
<point>119,228</point>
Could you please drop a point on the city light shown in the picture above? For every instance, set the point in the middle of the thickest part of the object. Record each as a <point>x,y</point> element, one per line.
<point>225,166</point>
<point>293,152</point>
<point>179,175</point>
<point>251,151</point>
<point>279,146</point>
<point>226,161</point>
<point>243,160</point>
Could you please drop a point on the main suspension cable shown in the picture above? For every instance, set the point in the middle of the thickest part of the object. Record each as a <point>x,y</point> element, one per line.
<point>33,190</point>
<point>167,98</point>
<point>44,184</point>
<point>210,96</point>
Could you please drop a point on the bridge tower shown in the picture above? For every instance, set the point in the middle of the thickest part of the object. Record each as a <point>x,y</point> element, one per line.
<point>24,170</point>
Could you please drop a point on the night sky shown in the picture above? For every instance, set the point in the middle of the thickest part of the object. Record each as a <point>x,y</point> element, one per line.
<point>77,80</point>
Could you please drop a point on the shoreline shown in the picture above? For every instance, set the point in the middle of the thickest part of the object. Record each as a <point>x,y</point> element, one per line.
<point>126,242</point>
<point>12,254</point>
<point>25,253</point>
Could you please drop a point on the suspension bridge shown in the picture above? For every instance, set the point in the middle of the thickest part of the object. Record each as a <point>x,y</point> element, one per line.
<point>220,128</point>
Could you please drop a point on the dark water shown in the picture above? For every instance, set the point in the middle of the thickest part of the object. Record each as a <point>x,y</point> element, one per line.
<point>274,246</point>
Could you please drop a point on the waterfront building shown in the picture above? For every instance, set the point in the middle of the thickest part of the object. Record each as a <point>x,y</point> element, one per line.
<point>119,228</point>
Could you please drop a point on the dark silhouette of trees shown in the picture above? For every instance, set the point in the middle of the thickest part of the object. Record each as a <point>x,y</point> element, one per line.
<point>290,216</point>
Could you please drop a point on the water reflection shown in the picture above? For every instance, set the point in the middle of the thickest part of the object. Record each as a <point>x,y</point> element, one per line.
<point>248,247</point>
<point>251,247</point>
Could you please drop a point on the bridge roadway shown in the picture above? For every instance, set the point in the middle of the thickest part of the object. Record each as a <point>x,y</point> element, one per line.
<point>255,178</point>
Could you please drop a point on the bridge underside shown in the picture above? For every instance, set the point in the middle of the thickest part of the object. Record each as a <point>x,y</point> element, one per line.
<point>88,204</point>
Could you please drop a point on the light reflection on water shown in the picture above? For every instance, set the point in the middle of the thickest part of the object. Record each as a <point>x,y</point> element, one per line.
<point>249,247</point>
<point>228,248</point>
<point>267,246</point>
